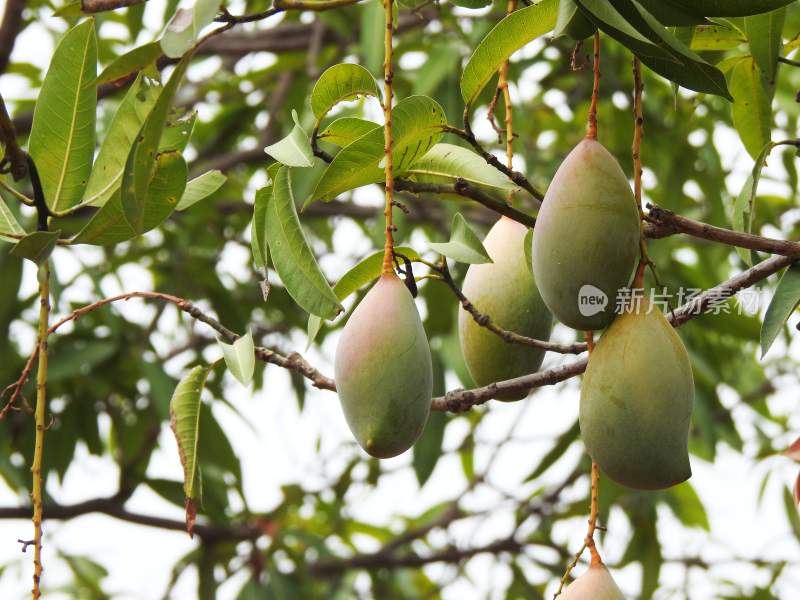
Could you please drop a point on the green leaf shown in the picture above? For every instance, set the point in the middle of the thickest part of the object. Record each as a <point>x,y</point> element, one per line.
<point>184,410</point>
<point>715,37</point>
<point>464,246</point>
<point>561,445</point>
<point>764,35</point>
<point>527,245</point>
<point>177,131</point>
<point>471,3</point>
<point>291,255</point>
<point>744,204</point>
<point>345,130</point>
<point>258,227</point>
<point>140,166</point>
<point>341,82</point>
<point>633,26</point>
<point>428,448</point>
<point>8,223</point>
<point>791,512</point>
<point>371,30</point>
<point>295,149</point>
<point>782,305</point>
<point>508,36</point>
<point>752,110</point>
<point>36,246</point>
<point>444,163</point>
<point>131,62</point>
<point>684,502</point>
<point>363,273</point>
<point>109,226</point>
<point>185,25</point>
<point>669,14</point>
<point>240,357</point>
<point>417,126</point>
<point>106,175</point>
<point>201,187</point>
<point>729,8</point>
<point>62,135</point>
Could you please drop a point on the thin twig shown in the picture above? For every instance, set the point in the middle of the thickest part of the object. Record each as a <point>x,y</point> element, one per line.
<point>388,249</point>
<point>591,129</point>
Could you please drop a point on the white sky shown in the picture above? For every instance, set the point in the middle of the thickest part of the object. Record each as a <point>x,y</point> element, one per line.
<point>139,558</point>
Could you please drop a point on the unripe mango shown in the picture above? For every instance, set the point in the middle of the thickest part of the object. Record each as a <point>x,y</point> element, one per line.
<point>383,370</point>
<point>587,238</point>
<point>636,401</point>
<point>594,584</point>
<point>505,291</point>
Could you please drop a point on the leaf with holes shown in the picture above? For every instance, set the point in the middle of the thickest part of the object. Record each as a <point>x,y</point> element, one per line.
<point>184,412</point>
<point>783,304</point>
<point>62,135</point>
<point>107,171</point>
<point>417,126</point>
<point>240,357</point>
<point>295,149</point>
<point>464,246</point>
<point>338,83</point>
<point>140,166</point>
<point>291,254</point>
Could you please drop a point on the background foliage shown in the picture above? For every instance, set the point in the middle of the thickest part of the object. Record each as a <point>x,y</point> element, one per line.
<point>111,377</point>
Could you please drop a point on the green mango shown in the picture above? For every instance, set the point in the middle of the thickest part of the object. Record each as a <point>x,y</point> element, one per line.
<point>636,401</point>
<point>384,375</point>
<point>572,22</point>
<point>505,291</point>
<point>587,238</point>
<point>595,584</point>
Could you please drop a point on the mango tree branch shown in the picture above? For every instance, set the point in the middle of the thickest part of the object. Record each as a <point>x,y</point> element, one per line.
<point>96,6</point>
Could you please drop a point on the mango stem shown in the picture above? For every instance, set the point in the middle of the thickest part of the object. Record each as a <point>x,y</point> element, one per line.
<point>591,130</point>
<point>388,249</point>
<point>636,149</point>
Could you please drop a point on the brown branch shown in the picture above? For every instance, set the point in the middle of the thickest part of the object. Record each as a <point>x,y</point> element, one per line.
<point>462,400</point>
<point>591,128</point>
<point>463,188</point>
<point>665,222</point>
<point>9,30</point>
<point>96,6</point>
<point>507,336</point>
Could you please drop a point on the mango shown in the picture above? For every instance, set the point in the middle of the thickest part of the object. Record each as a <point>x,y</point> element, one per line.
<point>383,370</point>
<point>505,291</point>
<point>595,584</point>
<point>586,243</point>
<point>636,401</point>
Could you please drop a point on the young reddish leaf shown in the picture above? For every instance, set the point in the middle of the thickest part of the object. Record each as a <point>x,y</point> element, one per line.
<point>793,451</point>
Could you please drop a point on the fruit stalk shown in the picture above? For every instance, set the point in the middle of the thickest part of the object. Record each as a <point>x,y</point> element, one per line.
<point>638,126</point>
<point>502,85</point>
<point>591,130</point>
<point>594,491</point>
<point>388,249</point>
<point>41,400</point>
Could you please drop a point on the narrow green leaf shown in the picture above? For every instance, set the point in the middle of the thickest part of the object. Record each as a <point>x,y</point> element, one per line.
<point>140,165</point>
<point>201,187</point>
<point>752,110</point>
<point>177,132</point>
<point>295,149</point>
<point>131,62</point>
<point>471,3</point>
<point>744,204</point>
<point>560,446</point>
<point>417,126</point>
<point>630,24</point>
<point>464,245</point>
<point>345,130</point>
<point>258,227</point>
<point>291,255</point>
<point>338,83</point>
<point>508,36</point>
<point>240,357</point>
<point>106,175</point>
<point>184,410</point>
<point>783,304</point>
<point>791,512</point>
<point>363,273</point>
<point>428,448</point>
<point>686,505</point>
<point>444,163</point>
<point>764,35</point>
<point>109,226</point>
<point>62,135</point>
<point>371,30</point>
<point>36,246</point>
<point>185,25</point>
<point>527,245</point>
<point>729,8</point>
<point>669,14</point>
<point>8,223</point>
